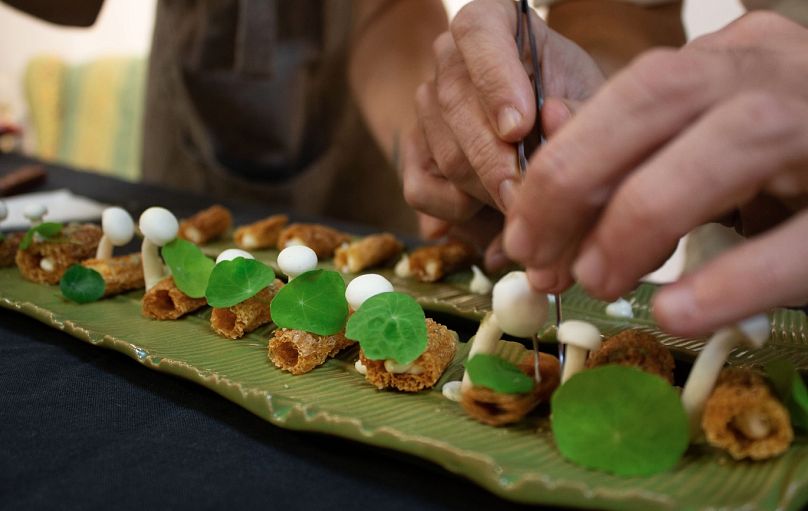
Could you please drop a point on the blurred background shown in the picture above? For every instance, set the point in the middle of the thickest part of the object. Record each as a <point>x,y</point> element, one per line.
<point>75,95</point>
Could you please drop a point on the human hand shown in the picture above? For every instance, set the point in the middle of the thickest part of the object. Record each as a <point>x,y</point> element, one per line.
<point>675,140</point>
<point>480,103</point>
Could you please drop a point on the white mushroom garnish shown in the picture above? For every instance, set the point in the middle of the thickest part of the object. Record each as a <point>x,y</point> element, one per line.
<point>158,226</point>
<point>752,332</point>
<point>480,283</point>
<point>118,227</point>
<point>233,253</point>
<point>296,260</point>
<point>517,310</point>
<point>363,287</point>
<point>620,308</point>
<point>579,338</point>
<point>35,213</point>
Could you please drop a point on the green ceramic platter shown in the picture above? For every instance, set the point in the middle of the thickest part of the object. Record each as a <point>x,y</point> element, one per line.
<point>520,463</point>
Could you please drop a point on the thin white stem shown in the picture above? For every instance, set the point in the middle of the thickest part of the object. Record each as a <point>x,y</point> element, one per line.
<point>104,248</point>
<point>488,334</point>
<point>574,361</point>
<point>152,264</point>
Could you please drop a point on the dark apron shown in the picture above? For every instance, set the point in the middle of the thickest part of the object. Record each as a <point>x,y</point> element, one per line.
<point>249,98</point>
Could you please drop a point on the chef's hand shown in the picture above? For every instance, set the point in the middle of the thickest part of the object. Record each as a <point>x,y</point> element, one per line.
<point>479,104</point>
<point>675,140</point>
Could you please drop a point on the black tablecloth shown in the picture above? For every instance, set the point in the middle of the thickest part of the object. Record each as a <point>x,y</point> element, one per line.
<point>84,427</point>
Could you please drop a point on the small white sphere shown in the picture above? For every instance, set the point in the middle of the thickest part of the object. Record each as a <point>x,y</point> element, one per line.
<point>620,308</point>
<point>3,211</point>
<point>364,286</point>
<point>35,212</point>
<point>520,311</point>
<point>233,253</point>
<point>118,226</point>
<point>158,225</point>
<point>296,260</point>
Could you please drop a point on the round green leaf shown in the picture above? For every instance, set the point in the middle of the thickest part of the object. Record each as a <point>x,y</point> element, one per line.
<point>389,326</point>
<point>232,282</point>
<point>46,229</point>
<point>620,420</point>
<point>498,375</point>
<point>313,301</point>
<point>82,285</point>
<point>189,266</point>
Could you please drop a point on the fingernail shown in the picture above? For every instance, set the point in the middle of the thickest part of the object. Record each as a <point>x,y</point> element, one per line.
<point>508,120</point>
<point>543,280</point>
<point>589,268</point>
<point>676,304</point>
<point>507,194</point>
<point>517,240</point>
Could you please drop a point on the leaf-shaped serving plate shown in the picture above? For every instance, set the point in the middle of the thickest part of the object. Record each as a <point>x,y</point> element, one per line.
<point>453,296</point>
<point>519,463</point>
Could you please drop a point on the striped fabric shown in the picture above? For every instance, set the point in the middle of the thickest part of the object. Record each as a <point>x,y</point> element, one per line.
<point>89,115</point>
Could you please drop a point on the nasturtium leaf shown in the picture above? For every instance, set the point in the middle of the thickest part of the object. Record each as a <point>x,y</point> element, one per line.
<point>313,301</point>
<point>498,375</point>
<point>189,266</point>
<point>232,282</point>
<point>620,420</point>
<point>46,230</point>
<point>82,285</point>
<point>389,326</point>
<point>791,389</point>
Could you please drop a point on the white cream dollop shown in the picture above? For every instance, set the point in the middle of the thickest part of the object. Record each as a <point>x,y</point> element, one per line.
<point>520,311</point>
<point>451,390</point>
<point>393,367</point>
<point>365,286</point>
<point>233,253</point>
<point>620,308</point>
<point>360,367</point>
<point>402,268</point>
<point>297,259</point>
<point>158,225</point>
<point>480,283</point>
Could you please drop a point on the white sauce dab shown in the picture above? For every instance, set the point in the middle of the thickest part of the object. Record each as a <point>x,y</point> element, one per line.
<point>620,309</point>
<point>47,264</point>
<point>391,366</point>
<point>480,284</point>
<point>451,390</point>
<point>403,267</point>
<point>360,367</point>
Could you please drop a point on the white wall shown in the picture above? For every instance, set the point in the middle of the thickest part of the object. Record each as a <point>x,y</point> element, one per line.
<point>123,28</point>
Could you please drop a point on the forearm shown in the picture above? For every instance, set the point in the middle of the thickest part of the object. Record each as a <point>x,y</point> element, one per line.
<point>77,13</point>
<point>614,32</point>
<point>391,55</point>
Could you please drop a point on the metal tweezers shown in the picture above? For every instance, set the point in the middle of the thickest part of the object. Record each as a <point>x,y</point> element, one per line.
<point>537,133</point>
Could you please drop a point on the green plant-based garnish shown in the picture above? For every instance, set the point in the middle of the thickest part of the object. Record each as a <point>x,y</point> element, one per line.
<point>389,326</point>
<point>791,389</point>
<point>620,420</point>
<point>46,229</point>
<point>232,282</point>
<point>82,285</point>
<point>189,266</point>
<point>313,301</point>
<point>498,375</point>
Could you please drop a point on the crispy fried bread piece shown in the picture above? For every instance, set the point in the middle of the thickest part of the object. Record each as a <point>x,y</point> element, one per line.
<point>323,240</point>
<point>206,225</point>
<point>261,234</point>
<point>367,252</point>
<point>299,352</point>
<point>166,301</point>
<point>240,319</point>
<point>743,417</point>
<point>8,248</point>
<point>120,274</point>
<point>425,370</point>
<point>498,409</point>
<point>45,261</point>
<point>432,263</point>
<point>636,348</point>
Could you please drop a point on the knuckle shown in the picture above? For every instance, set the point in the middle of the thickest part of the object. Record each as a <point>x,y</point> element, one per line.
<point>640,211</point>
<point>768,117</point>
<point>664,75</point>
<point>442,46</point>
